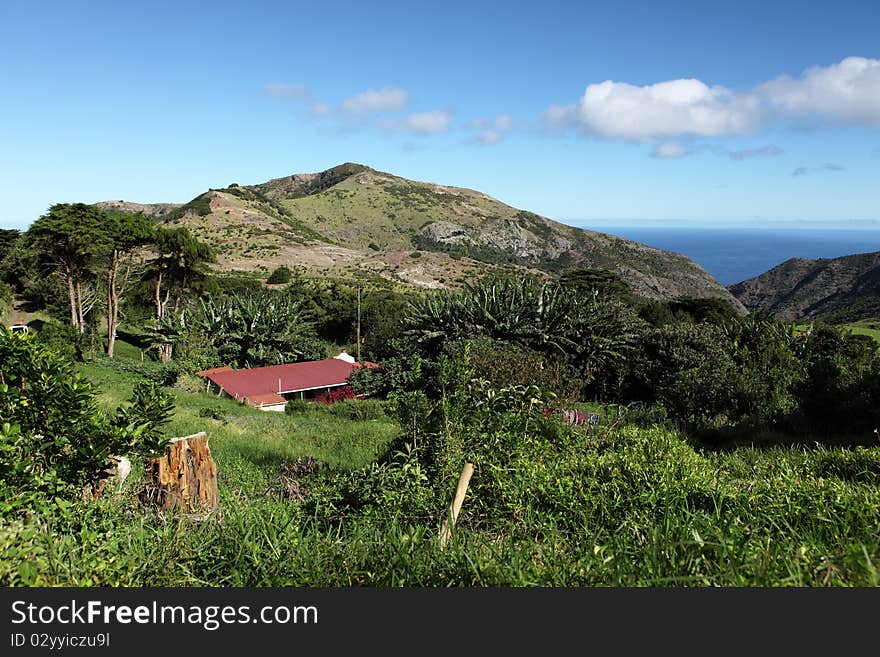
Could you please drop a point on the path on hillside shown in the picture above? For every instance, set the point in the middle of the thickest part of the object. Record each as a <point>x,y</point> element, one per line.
<point>19,315</point>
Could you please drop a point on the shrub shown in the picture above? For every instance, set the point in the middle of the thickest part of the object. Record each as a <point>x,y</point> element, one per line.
<point>281,274</point>
<point>60,338</point>
<point>5,299</point>
<point>189,383</point>
<point>53,438</point>
<point>415,254</point>
<point>505,363</point>
<point>336,395</point>
<point>153,371</point>
<point>840,390</point>
<point>298,406</point>
<point>213,413</point>
<point>360,409</point>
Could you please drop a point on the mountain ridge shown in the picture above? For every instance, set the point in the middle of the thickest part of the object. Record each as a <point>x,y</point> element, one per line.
<point>352,218</point>
<point>843,289</point>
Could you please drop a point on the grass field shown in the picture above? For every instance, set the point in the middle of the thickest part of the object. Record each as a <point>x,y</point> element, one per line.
<point>251,442</point>
<point>867,328</point>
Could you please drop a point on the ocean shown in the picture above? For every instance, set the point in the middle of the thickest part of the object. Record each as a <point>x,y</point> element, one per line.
<point>732,255</point>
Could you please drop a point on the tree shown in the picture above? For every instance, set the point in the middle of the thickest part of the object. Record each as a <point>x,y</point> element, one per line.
<point>123,234</point>
<point>178,265</point>
<point>280,275</point>
<point>67,238</point>
<point>8,238</point>
<point>253,330</point>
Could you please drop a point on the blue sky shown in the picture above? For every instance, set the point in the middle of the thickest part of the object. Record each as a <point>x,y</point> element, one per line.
<point>583,112</point>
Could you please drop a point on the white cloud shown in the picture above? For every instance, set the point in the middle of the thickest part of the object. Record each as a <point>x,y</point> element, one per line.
<point>764,151</point>
<point>284,90</point>
<point>491,131</point>
<point>320,109</point>
<point>828,166</point>
<point>557,117</point>
<point>422,123</point>
<point>848,91</point>
<point>503,123</point>
<point>669,150</point>
<point>489,137</point>
<point>376,100</point>
<point>618,110</point>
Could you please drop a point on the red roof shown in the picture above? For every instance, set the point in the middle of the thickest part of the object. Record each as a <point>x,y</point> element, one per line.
<point>259,382</point>
<point>268,399</point>
<point>214,370</point>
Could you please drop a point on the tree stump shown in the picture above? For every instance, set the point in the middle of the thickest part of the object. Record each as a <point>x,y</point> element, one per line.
<point>186,477</point>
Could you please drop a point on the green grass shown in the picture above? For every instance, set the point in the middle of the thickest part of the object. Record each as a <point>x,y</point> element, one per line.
<point>645,509</point>
<point>864,327</point>
<point>248,443</point>
<point>618,506</point>
<point>863,330</point>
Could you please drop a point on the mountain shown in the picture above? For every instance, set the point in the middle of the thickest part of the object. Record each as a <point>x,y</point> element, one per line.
<point>157,210</point>
<point>840,289</point>
<point>352,219</point>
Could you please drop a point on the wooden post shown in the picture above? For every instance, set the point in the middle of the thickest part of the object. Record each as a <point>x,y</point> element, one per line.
<point>460,491</point>
<point>185,477</point>
<point>358,341</point>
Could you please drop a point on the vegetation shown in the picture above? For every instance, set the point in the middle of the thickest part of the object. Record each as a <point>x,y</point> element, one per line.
<point>549,505</point>
<point>53,439</point>
<point>280,275</point>
<point>722,450</point>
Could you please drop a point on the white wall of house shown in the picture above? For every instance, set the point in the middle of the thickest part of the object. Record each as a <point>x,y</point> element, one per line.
<point>273,407</point>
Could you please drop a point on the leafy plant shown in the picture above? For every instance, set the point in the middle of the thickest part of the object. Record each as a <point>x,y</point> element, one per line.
<point>53,438</point>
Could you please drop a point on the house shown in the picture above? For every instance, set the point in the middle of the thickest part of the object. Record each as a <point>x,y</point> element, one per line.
<point>270,388</point>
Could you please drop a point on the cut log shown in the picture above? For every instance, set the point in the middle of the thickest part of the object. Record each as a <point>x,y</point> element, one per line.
<point>186,477</point>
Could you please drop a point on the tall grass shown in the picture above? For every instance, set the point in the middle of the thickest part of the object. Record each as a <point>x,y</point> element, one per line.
<point>553,506</point>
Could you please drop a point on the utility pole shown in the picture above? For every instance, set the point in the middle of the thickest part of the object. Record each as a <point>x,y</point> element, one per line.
<point>359,327</point>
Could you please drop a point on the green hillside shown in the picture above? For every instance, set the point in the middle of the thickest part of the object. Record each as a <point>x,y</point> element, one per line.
<point>842,290</point>
<point>352,219</point>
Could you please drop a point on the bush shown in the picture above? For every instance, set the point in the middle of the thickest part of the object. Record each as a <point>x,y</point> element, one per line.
<point>281,274</point>
<point>643,415</point>
<point>505,363</point>
<point>415,254</point>
<point>189,383</point>
<point>60,338</point>
<point>336,395</point>
<point>359,409</point>
<point>53,438</point>
<point>840,390</point>
<point>164,374</point>
<point>5,299</point>
<point>213,413</point>
<point>298,406</point>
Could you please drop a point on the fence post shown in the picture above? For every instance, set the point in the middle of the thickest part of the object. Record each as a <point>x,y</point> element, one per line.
<point>460,491</point>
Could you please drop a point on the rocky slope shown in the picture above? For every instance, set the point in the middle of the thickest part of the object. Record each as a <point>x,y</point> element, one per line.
<point>157,210</point>
<point>846,288</point>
